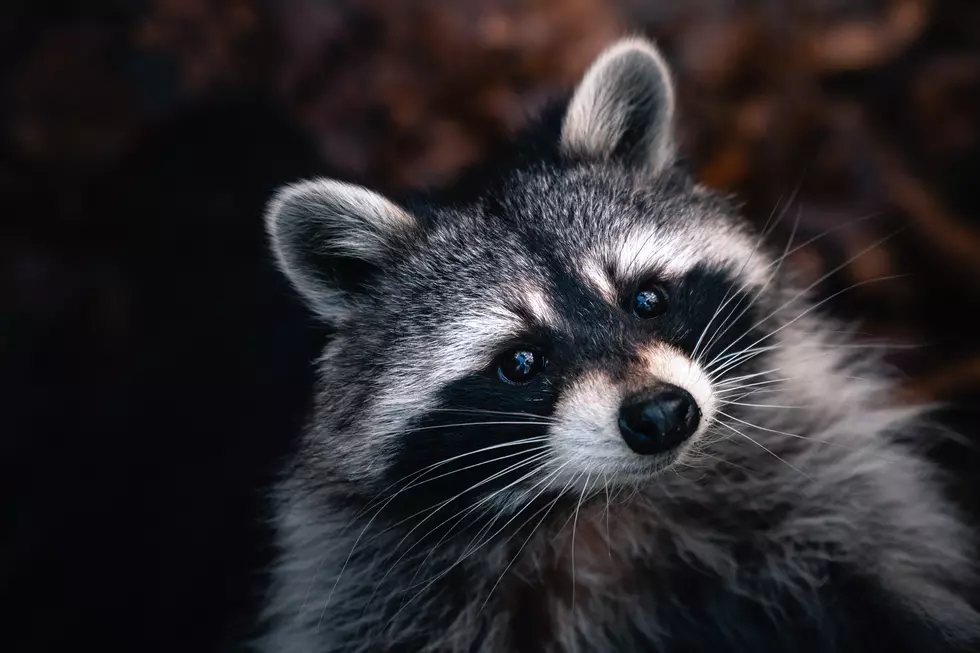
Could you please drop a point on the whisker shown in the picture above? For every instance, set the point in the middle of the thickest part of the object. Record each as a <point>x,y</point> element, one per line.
<point>736,403</point>
<point>754,386</point>
<point>574,525</point>
<point>461,513</point>
<point>762,236</point>
<point>549,508</point>
<point>805,312</point>
<point>763,447</point>
<point>472,545</point>
<point>361,535</point>
<point>727,462</point>
<point>807,438</point>
<point>455,425</point>
<point>534,458</point>
<point>823,278</point>
<point>789,252</point>
<point>465,555</point>
<point>605,485</point>
<point>778,266</point>
<point>741,352</point>
<point>481,411</point>
<point>435,465</point>
<point>748,393</point>
<point>433,510</point>
<point>745,377</point>
<point>545,482</point>
<point>823,347</point>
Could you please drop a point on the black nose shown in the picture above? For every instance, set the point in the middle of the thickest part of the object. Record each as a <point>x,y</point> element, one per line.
<point>660,420</point>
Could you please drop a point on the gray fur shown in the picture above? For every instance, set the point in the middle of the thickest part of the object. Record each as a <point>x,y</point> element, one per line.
<point>322,218</point>
<point>829,460</point>
<point>628,87</point>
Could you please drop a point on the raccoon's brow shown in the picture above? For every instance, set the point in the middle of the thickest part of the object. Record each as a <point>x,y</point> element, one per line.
<point>599,279</point>
<point>673,253</point>
<point>478,337</point>
<point>533,306</point>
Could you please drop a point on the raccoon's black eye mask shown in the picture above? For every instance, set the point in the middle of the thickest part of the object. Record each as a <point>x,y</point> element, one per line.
<point>521,363</point>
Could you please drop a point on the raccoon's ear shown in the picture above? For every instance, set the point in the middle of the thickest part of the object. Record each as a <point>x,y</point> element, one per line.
<point>623,108</point>
<point>332,238</point>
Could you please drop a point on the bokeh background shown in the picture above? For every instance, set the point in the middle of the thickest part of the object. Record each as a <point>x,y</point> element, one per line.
<point>153,366</point>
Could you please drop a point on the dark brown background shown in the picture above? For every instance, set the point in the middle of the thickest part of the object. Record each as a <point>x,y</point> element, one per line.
<point>153,365</point>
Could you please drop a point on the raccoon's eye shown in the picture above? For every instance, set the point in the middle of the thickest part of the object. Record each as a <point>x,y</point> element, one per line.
<point>649,303</point>
<point>519,366</point>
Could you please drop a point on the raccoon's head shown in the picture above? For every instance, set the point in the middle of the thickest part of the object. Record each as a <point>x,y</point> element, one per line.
<point>583,310</point>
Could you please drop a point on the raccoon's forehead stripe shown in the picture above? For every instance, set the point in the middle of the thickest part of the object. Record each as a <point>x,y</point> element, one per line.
<point>535,302</point>
<point>599,279</point>
<point>674,253</point>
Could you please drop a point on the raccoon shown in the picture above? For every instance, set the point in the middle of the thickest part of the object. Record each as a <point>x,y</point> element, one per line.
<point>575,402</point>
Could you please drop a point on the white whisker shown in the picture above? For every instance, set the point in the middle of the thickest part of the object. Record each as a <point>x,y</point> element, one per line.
<point>823,278</point>
<point>801,315</point>
<point>778,265</point>
<point>578,507</point>
<point>764,448</point>
<point>461,513</point>
<point>724,301</point>
<point>801,437</point>
<point>513,559</point>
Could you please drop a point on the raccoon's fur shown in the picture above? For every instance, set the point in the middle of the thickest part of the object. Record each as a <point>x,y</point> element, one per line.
<point>435,505</point>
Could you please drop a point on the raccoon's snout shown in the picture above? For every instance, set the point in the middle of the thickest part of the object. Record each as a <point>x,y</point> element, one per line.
<point>658,421</point>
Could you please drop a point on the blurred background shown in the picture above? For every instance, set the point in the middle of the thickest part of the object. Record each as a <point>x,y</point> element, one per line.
<point>153,365</point>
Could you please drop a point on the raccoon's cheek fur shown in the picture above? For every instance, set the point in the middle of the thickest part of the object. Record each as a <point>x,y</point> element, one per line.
<point>629,429</point>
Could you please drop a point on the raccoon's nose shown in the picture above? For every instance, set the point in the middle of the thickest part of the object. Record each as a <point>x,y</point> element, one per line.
<point>658,421</point>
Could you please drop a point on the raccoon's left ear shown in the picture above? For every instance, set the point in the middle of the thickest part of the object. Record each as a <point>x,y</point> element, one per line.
<point>332,239</point>
<point>623,108</point>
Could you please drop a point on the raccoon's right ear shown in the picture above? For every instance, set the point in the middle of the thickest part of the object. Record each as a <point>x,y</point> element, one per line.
<point>623,109</point>
<point>332,238</point>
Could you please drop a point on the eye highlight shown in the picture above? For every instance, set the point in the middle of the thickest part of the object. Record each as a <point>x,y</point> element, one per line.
<point>518,366</point>
<point>649,303</point>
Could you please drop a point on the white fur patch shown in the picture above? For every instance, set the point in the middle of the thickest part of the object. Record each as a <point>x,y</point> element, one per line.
<point>539,305</point>
<point>600,281</point>
<point>667,364</point>
<point>676,253</point>
<point>586,438</point>
<point>461,347</point>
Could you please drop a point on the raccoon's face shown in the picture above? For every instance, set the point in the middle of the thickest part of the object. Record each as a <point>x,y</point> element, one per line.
<point>582,317</point>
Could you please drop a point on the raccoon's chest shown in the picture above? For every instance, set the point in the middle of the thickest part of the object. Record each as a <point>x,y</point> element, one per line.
<point>572,584</point>
<point>627,582</point>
